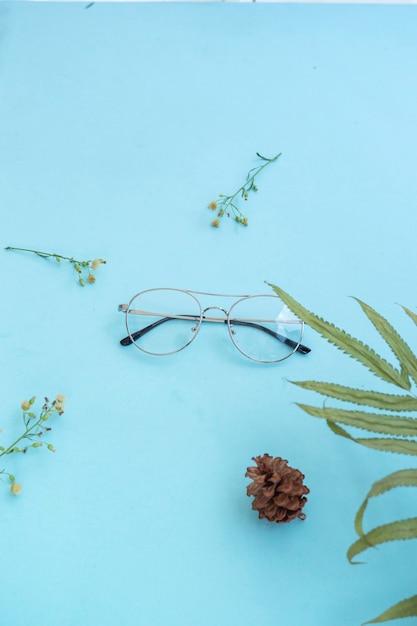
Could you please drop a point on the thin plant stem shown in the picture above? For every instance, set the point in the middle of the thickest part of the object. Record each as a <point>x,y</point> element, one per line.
<point>47,254</point>
<point>89,266</point>
<point>226,205</point>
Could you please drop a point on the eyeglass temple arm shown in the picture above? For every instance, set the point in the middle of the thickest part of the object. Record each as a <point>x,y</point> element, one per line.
<point>127,341</point>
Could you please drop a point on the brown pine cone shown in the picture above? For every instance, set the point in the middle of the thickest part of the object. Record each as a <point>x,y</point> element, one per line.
<point>278,489</point>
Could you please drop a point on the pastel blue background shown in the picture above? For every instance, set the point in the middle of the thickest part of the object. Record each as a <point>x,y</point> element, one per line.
<point>118,124</point>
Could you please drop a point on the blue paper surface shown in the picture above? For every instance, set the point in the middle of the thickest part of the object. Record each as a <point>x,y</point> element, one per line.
<point>118,125</point>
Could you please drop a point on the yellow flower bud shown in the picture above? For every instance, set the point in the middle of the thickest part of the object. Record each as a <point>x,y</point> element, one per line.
<point>16,488</point>
<point>60,398</point>
<point>91,279</point>
<point>25,405</point>
<point>97,262</point>
<point>216,223</point>
<point>212,206</point>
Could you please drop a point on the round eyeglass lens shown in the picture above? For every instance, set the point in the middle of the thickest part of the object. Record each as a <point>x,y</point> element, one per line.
<point>163,321</point>
<point>264,329</point>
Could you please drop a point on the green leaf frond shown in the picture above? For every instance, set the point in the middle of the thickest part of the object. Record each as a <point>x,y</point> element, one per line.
<point>389,444</point>
<point>375,399</point>
<point>338,430</point>
<point>405,608</point>
<point>345,342</point>
<point>394,531</point>
<point>382,423</point>
<point>403,429</point>
<point>384,444</point>
<point>401,478</point>
<point>397,344</point>
<point>410,314</point>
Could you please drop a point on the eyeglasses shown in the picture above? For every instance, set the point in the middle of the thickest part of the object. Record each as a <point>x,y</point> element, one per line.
<point>163,321</point>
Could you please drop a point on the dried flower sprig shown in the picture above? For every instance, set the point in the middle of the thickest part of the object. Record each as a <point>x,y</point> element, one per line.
<point>85,269</point>
<point>226,205</point>
<point>33,435</point>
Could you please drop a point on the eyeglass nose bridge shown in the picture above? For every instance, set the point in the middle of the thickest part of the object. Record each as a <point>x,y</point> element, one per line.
<point>216,319</point>
<point>221,320</point>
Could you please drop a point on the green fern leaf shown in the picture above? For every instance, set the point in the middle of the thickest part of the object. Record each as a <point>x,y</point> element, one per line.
<point>394,531</point>
<point>411,314</point>
<point>397,344</point>
<point>384,424</point>
<point>401,478</point>
<point>405,608</point>
<point>375,399</point>
<point>345,342</point>
<point>390,444</point>
<point>338,430</point>
<point>384,444</point>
